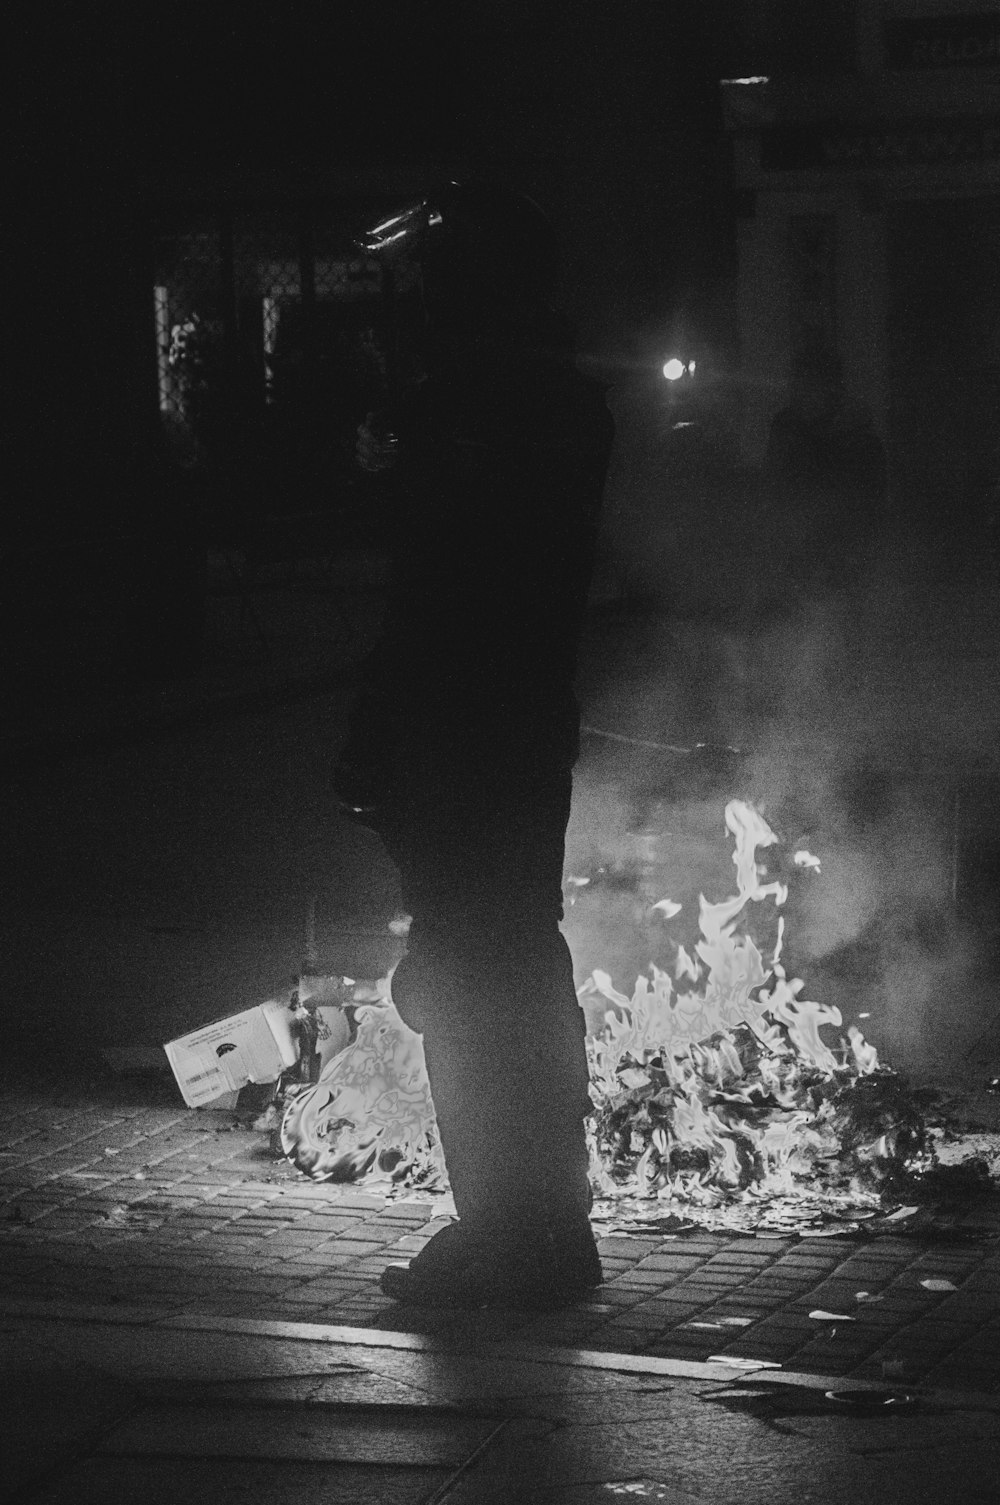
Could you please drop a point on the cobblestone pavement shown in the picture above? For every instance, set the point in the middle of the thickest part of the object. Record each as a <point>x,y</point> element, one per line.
<point>110,1197</point>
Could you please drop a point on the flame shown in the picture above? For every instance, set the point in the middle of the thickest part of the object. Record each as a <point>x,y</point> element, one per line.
<point>371,1110</point>
<point>713,1083</point>
<point>726,1082</point>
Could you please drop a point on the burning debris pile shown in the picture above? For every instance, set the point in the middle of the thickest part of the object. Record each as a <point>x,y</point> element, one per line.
<point>715,1091</point>
<point>720,1093</point>
<point>370,1114</point>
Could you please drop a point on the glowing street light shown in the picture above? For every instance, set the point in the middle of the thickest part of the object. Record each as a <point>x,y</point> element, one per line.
<point>674,369</point>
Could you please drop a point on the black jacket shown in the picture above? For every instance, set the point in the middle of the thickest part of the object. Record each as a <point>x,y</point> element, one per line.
<point>491,518</point>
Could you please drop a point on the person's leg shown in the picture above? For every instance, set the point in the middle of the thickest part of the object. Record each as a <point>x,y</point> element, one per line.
<point>488,982</point>
<point>504,1042</point>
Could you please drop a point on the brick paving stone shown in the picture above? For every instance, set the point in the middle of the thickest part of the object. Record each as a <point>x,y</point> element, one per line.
<point>251,1196</point>
<point>373,1264</point>
<point>641,1277</point>
<point>625,1248</point>
<point>292,1240</point>
<point>410,1243</point>
<point>744,1264</point>
<point>954,1319</point>
<point>232,1232</point>
<point>776,1295</point>
<point>370,1300</point>
<point>985,1282</point>
<point>251,1227</point>
<point>837,1293</point>
<point>306,1258</point>
<point>792,1321</point>
<point>796,1259</point>
<point>265,1283</point>
<point>666,1259</point>
<point>383,1233</point>
<point>59,1219</point>
<point>196,1210</point>
<point>280,1246</point>
<point>348,1248</point>
<point>670,1282</point>
<point>673,1315</point>
<point>332,1228</point>
<point>682,1342</point>
<point>356,1282</point>
<point>619,1290</point>
<point>742,1302</point>
<point>404,1220</point>
<point>21,1176</point>
<point>363,1201</point>
<point>236,1261</point>
<point>317,1293</point>
<point>904,1309</point>
<point>274,1212</point>
<point>940,1258</point>
<point>634,1325</point>
<point>704,1247</point>
<point>718,1280</point>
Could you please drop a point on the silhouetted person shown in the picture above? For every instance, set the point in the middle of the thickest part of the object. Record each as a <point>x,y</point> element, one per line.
<point>826,473</point>
<point>463,741</point>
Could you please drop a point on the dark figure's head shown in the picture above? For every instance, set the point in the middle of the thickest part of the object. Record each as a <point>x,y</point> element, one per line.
<point>487,259</point>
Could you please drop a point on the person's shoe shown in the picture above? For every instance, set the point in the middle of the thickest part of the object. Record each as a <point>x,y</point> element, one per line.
<point>468,1272</point>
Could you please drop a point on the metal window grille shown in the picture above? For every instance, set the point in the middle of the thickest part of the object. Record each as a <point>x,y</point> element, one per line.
<point>266,326</point>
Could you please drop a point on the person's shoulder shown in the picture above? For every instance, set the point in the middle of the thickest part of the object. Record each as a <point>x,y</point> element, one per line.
<point>580,401</point>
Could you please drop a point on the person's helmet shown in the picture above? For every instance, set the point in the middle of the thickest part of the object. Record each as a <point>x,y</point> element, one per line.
<point>477,234</point>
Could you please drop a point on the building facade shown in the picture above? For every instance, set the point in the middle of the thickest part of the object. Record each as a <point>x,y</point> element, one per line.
<point>866,157</point>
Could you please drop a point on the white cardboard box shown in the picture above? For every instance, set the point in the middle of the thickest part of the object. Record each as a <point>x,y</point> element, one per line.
<point>255,1046</point>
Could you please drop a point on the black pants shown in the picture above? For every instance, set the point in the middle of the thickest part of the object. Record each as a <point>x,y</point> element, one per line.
<point>488,979</point>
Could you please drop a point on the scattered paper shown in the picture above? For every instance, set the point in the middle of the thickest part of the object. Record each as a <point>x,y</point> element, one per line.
<point>736,1321</point>
<point>667,908</point>
<point>939,1285</point>
<point>820,1316</point>
<point>713,1325</point>
<point>900,1214</point>
<point>868,1297</point>
<point>733,1362</point>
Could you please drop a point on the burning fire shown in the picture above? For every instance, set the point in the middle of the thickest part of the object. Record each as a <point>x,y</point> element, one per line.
<point>711,1087</point>
<point>370,1114</point>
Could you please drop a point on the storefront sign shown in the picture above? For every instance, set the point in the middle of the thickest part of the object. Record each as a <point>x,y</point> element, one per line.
<point>943,41</point>
<point>904,143</point>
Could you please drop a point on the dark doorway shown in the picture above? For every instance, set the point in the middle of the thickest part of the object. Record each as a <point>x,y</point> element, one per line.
<point>944,352</point>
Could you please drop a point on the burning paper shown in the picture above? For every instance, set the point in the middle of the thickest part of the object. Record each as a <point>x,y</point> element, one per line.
<point>720,1089</point>
<point>370,1114</point>
<point>724,1085</point>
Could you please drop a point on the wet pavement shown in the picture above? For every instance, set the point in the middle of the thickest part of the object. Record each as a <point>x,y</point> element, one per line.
<point>114,1192</point>
<point>136,1407</point>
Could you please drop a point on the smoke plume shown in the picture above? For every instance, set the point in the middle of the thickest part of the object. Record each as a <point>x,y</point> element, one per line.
<point>862,723</point>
